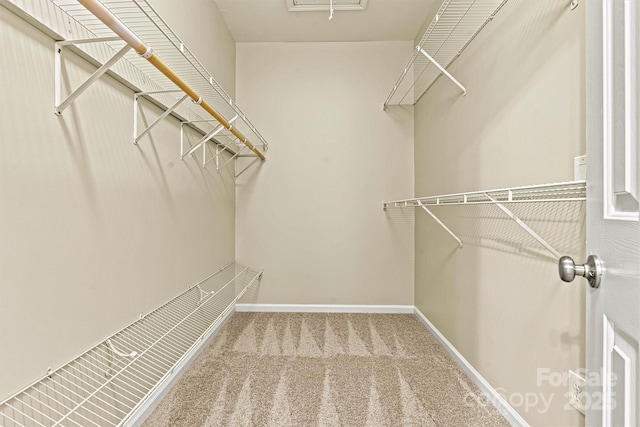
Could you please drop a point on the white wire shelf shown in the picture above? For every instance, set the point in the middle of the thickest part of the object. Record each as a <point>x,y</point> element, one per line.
<point>455,25</point>
<point>107,384</point>
<point>573,191</point>
<point>555,192</point>
<point>75,27</point>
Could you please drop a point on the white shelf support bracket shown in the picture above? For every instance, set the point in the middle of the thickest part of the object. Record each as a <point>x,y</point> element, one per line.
<point>216,158</point>
<point>204,294</point>
<point>170,110</point>
<point>201,142</point>
<point>117,352</point>
<point>246,167</point>
<point>219,151</point>
<point>59,104</point>
<point>441,224</point>
<point>525,227</point>
<point>574,4</point>
<point>232,158</point>
<point>442,69</point>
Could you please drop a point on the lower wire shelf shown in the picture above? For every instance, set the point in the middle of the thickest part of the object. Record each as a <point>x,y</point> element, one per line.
<point>107,384</point>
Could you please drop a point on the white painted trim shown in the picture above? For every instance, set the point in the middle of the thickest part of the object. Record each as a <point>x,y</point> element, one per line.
<point>324,308</point>
<point>151,402</point>
<point>494,397</point>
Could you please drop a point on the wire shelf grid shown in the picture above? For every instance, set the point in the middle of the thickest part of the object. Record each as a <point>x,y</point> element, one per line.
<point>146,23</point>
<point>574,191</point>
<point>106,384</point>
<point>455,25</point>
<point>555,192</point>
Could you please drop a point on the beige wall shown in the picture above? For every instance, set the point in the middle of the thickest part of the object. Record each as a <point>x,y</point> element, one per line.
<point>93,230</point>
<point>312,216</point>
<point>499,300</point>
<point>200,25</point>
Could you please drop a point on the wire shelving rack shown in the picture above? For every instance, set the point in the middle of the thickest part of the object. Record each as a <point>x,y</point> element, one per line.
<point>107,384</point>
<point>573,191</point>
<point>454,26</point>
<point>75,28</point>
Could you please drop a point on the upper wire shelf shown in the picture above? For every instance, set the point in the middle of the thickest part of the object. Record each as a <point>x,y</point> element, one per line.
<point>455,25</point>
<point>140,17</point>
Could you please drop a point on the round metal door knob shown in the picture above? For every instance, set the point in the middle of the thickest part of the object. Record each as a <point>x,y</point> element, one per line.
<point>591,270</point>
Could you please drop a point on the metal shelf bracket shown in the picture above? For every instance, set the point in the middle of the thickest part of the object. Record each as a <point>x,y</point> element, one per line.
<point>441,224</point>
<point>202,142</point>
<point>204,294</point>
<point>136,136</point>
<point>59,104</point>
<point>525,227</point>
<point>120,353</point>
<point>219,150</point>
<point>442,69</point>
<point>237,174</point>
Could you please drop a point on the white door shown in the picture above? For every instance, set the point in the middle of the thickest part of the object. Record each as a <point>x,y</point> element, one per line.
<point>613,227</point>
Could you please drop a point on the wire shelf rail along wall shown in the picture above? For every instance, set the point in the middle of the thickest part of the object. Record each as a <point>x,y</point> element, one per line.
<point>454,26</point>
<point>108,384</point>
<point>166,73</point>
<point>574,191</point>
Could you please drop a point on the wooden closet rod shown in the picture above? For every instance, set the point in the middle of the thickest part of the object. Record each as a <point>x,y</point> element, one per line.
<point>96,8</point>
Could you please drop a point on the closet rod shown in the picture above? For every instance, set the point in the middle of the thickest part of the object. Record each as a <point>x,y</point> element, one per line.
<point>101,12</point>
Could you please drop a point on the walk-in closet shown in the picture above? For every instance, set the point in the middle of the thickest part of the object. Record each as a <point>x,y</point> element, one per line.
<point>319,212</point>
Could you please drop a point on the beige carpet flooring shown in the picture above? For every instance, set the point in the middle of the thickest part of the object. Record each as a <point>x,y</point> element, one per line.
<point>303,369</point>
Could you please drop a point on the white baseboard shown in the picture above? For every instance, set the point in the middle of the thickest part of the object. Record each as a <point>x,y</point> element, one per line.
<point>494,397</point>
<point>324,308</point>
<point>156,396</point>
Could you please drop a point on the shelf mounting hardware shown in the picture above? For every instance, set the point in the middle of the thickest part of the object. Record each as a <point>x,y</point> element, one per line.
<point>59,104</point>
<point>216,157</point>
<point>230,159</point>
<point>201,142</point>
<point>204,294</point>
<point>524,226</point>
<point>441,223</point>
<point>245,168</point>
<point>118,352</point>
<point>170,110</point>
<point>442,69</point>
<point>182,142</point>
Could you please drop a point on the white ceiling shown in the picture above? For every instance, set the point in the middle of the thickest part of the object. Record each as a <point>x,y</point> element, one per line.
<point>269,21</point>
